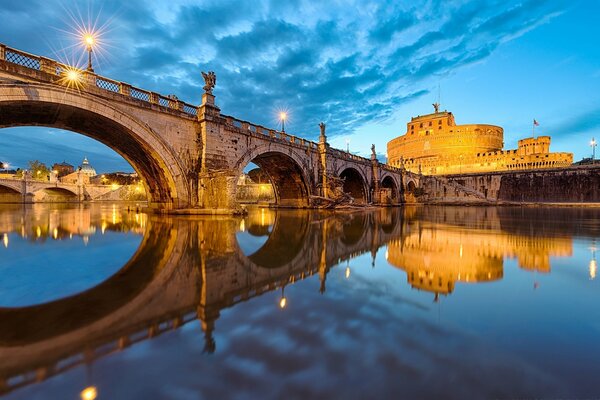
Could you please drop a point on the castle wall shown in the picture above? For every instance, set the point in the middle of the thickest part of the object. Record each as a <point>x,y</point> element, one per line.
<point>573,184</point>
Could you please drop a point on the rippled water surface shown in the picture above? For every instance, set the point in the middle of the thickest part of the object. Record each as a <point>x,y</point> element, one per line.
<point>432,302</point>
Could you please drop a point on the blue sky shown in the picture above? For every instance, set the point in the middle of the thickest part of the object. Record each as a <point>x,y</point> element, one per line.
<point>363,67</point>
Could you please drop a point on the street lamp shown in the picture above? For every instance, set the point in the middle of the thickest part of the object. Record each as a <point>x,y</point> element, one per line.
<point>593,145</point>
<point>89,393</point>
<point>347,145</point>
<point>282,117</point>
<point>283,299</point>
<point>89,42</point>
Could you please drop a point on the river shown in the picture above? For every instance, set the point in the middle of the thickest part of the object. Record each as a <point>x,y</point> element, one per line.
<point>107,302</point>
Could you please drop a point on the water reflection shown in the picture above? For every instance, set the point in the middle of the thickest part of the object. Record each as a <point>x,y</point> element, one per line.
<point>188,269</point>
<point>40,222</point>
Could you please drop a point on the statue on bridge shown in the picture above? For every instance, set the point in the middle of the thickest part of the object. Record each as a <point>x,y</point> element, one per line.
<point>210,80</point>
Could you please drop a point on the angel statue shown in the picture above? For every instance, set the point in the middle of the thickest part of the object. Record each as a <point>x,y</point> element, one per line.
<point>210,79</point>
<point>322,126</point>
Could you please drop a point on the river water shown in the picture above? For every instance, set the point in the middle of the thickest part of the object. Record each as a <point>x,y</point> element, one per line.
<point>427,302</point>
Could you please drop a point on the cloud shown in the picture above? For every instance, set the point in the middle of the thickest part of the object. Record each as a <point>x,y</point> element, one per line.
<point>347,64</point>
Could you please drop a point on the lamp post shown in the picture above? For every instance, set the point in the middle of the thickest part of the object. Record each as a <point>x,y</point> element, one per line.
<point>593,146</point>
<point>282,117</point>
<point>89,42</point>
<point>347,145</point>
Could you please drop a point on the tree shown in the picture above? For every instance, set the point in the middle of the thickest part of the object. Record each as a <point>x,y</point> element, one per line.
<point>39,170</point>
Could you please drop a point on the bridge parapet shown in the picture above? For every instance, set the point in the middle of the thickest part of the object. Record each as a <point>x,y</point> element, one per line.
<point>265,132</point>
<point>58,74</point>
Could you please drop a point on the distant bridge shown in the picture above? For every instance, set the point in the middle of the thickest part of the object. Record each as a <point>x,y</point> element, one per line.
<point>31,190</point>
<point>188,156</point>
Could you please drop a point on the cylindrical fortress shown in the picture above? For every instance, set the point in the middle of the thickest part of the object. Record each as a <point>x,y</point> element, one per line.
<point>436,135</point>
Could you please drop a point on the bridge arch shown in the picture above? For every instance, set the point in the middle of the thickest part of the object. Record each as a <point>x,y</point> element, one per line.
<point>390,183</point>
<point>286,169</point>
<point>37,104</point>
<point>355,183</point>
<point>9,194</point>
<point>55,194</point>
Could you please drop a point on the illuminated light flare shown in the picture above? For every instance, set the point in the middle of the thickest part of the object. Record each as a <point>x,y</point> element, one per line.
<point>89,393</point>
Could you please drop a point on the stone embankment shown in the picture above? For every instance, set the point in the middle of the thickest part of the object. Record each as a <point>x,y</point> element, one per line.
<point>571,185</point>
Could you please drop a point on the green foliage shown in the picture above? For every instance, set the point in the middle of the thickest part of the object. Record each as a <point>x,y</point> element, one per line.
<point>39,170</point>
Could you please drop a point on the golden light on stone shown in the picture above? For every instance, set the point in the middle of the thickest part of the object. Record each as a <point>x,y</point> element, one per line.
<point>89,393</point>
<point>72,78</point>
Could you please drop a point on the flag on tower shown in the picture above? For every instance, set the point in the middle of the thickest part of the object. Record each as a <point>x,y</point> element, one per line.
<point>535,123</point>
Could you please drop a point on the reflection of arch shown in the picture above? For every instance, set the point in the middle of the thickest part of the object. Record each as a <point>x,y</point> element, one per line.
<point>286,171</point>
<point>35,104</point>
<point>389,183</point>
<point>354,230</point>
<point>354,184</point>
<point>285,242</point>
<point>44,321</point>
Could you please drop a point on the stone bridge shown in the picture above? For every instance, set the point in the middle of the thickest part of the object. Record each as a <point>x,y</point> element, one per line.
<point>183,270</point>
<point>30,191</point>
<point>188,156</point>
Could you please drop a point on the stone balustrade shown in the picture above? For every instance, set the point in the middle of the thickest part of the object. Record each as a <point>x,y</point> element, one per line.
<point>53,67</point>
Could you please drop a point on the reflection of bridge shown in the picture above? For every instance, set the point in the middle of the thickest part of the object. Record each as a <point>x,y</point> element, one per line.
<point>184,270</point>
<point>188,156</point>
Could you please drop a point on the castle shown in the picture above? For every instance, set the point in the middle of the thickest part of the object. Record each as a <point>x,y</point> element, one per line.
<point>435,145</point>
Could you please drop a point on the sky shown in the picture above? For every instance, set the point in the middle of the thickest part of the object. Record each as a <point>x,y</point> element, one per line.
<point>362,67</point>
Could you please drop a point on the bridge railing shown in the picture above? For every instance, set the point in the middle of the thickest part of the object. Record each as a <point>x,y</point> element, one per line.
<point>274,134</point>
<point>60,70</point>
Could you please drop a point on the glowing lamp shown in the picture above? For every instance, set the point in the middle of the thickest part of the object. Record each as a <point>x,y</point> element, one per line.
<point>282,302</point>
<point>89,393</point>
<point>89,40</point>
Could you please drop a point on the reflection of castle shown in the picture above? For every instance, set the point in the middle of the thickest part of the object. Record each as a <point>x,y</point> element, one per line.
<point>436,256</point>
<point>434,144</point>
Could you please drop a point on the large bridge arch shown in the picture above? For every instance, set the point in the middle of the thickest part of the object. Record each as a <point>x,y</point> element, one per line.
<point>286,169</point>
<point>36,104</point>
<point>355,183</point>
